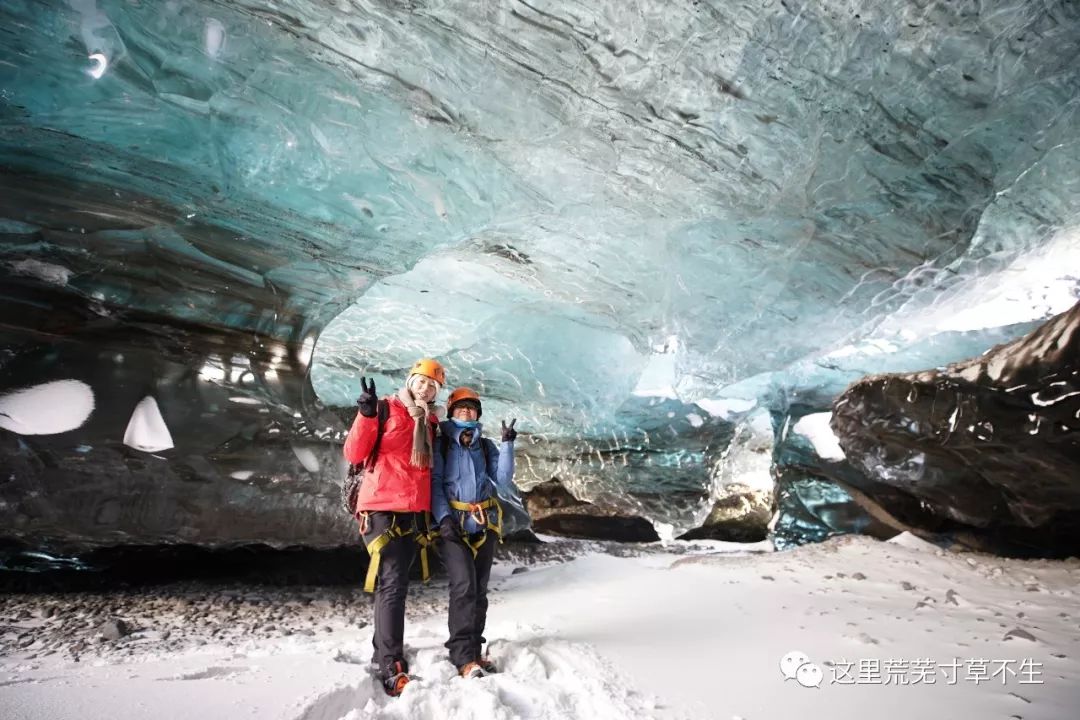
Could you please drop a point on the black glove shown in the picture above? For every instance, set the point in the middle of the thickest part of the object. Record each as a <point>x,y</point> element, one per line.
<point>368,400</point>
<point>448,530</point>
<point>509,434</point>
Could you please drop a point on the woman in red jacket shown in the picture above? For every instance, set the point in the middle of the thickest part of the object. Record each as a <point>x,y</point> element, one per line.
<point>394,501</point>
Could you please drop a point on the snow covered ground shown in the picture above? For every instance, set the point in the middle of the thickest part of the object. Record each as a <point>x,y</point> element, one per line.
<point>894,629</point>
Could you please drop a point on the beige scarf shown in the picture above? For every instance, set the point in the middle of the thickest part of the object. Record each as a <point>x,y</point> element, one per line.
<point>421,440</point>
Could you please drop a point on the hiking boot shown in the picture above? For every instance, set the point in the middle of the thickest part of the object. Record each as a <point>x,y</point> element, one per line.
<point>395,678</point>
<point>471,670</point>
<point>487,666</point>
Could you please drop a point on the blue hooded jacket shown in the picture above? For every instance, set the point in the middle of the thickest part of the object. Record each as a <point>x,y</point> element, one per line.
<point>462,476</point>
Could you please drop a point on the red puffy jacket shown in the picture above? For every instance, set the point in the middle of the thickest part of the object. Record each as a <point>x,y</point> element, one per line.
<point>394,484</point>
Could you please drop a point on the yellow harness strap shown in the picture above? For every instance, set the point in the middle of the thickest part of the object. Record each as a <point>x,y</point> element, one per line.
<point>479,513</point>
<point>375,547</point>
<point>423,539</point>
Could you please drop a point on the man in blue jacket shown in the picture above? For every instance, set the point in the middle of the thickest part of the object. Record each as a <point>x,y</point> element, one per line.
<point>468,473</point>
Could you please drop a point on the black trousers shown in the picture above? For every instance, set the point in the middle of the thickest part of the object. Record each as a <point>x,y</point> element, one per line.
<point>468,594</point>
<point>392,586</point>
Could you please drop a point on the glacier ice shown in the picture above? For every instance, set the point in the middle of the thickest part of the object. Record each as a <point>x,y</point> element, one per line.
<point>629,228</point>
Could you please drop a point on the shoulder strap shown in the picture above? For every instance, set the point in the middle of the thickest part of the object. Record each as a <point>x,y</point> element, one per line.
<point>383,414</point>
<point>485,444</point>
<point>444,446</point>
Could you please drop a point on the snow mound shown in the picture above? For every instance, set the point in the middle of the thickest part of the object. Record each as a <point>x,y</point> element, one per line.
<point>539,678</point>
<point>913,542</point>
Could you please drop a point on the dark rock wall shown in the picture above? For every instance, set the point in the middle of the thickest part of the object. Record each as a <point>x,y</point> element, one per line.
<point>991,445</point>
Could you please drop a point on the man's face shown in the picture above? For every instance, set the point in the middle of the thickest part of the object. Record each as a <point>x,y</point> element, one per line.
<point>466,410</point>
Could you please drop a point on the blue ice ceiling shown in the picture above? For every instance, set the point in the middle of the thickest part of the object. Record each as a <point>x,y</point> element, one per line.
<point>608,216</point>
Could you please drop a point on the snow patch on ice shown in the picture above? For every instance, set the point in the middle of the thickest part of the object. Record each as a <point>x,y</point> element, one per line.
<point>53,407</point>
<point>146,430</point>
<point>725,407</point>
<point>815,428</point>
<point>307,458</point>
<point>46,272</point>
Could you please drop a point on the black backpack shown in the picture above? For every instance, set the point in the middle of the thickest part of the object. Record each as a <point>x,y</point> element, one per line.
<point>350,487</point>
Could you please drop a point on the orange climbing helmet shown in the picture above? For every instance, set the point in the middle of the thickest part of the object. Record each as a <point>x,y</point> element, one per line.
<point>460,395</point>
<point>431,369</point>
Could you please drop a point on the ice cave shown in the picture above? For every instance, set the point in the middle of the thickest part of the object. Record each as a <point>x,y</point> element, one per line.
<point>747,271</point>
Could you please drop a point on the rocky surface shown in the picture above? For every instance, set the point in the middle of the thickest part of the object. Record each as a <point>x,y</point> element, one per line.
<point>177,617</point>
<point>555,510</point>
<point>130,620</point>
<point>741,516</point>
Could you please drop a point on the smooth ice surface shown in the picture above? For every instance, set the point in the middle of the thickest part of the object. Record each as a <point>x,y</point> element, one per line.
<point>760,182</point>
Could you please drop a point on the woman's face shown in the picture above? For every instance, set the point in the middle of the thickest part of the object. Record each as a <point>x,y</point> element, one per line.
<point>423,388</point>
<point>465,411</point>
